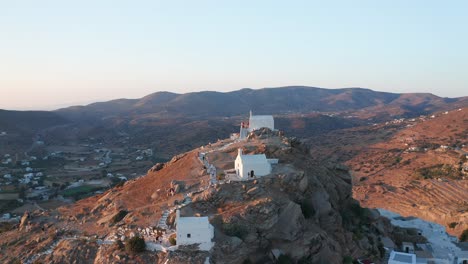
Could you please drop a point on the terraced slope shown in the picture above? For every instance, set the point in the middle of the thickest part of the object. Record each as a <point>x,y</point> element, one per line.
<point>420,171</point>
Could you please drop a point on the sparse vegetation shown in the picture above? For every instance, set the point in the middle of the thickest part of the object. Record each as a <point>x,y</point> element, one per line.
<point>464,236</point>
<point>172,240</point>
<point>359,211</point>
<point>135,244</point>
<point>80,191</point>
<point>5,227</point>
<point>8,205</point>
<point>453,225</point>
<point>438,171</point>
<point>119,245</point>
<point>397,160</point>
<point>220,176</point>
<point>119,216</point>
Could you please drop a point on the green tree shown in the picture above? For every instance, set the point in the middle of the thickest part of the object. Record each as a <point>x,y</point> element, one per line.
<point>135,244</point>
<point>464,236</point>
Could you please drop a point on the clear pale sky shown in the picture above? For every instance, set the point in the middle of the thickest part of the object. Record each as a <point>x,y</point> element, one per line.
<point>58,53</point>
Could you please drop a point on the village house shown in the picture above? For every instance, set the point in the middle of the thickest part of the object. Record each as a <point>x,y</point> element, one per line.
<point>401,258</point>
<point>256,122</point>
<point>194,230</point>
<point>407,247</point>
<point>251,166</point>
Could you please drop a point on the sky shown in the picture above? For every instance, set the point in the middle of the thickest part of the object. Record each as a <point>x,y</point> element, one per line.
<point>59,53</point>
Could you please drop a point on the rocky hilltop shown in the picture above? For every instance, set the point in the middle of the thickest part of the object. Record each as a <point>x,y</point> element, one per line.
<point>303,211</point>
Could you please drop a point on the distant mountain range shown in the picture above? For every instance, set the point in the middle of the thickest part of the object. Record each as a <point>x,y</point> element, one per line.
<point>173,123</point>
<point>291,99</point>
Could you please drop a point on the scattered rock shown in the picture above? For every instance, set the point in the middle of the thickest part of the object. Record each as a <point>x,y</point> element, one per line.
<point>253,191</point>
<point>178,186</point>
<point>157,167</point>
<point>177,158</point>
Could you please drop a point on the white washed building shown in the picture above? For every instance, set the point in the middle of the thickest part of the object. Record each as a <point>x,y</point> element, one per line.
<point>251,166</point>
<point>194,230</point>
<point>256,122</point>
<point>401,258</point>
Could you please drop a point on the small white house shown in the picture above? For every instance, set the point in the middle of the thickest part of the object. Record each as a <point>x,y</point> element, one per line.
<point>194,230</point>
<point>251,166</point>
<point>401,258</point>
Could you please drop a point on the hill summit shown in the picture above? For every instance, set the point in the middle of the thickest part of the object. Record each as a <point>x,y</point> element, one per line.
<point>300,211</point>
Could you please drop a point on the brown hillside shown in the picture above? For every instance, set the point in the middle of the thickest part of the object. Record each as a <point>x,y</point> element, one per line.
<point>418,171</point>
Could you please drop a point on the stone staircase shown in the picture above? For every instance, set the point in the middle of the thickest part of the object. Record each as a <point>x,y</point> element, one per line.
<point>162,222</point>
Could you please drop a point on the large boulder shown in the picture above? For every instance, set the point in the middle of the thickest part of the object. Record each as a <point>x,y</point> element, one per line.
<point>179,186</point>
<point>289,224</point>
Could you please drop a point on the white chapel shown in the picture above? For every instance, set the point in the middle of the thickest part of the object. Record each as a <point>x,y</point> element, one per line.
<point>251,166</point>
<point>256,122</point>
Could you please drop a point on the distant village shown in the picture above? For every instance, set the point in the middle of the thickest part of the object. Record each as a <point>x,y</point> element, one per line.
<point>58,175</point>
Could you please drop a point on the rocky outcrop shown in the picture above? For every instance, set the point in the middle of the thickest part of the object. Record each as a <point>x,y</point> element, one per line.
<point>178,186</point>
<point>157,167</point>
<point>289,225</point>
<point>24,221</point>
<point>303,209</point>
